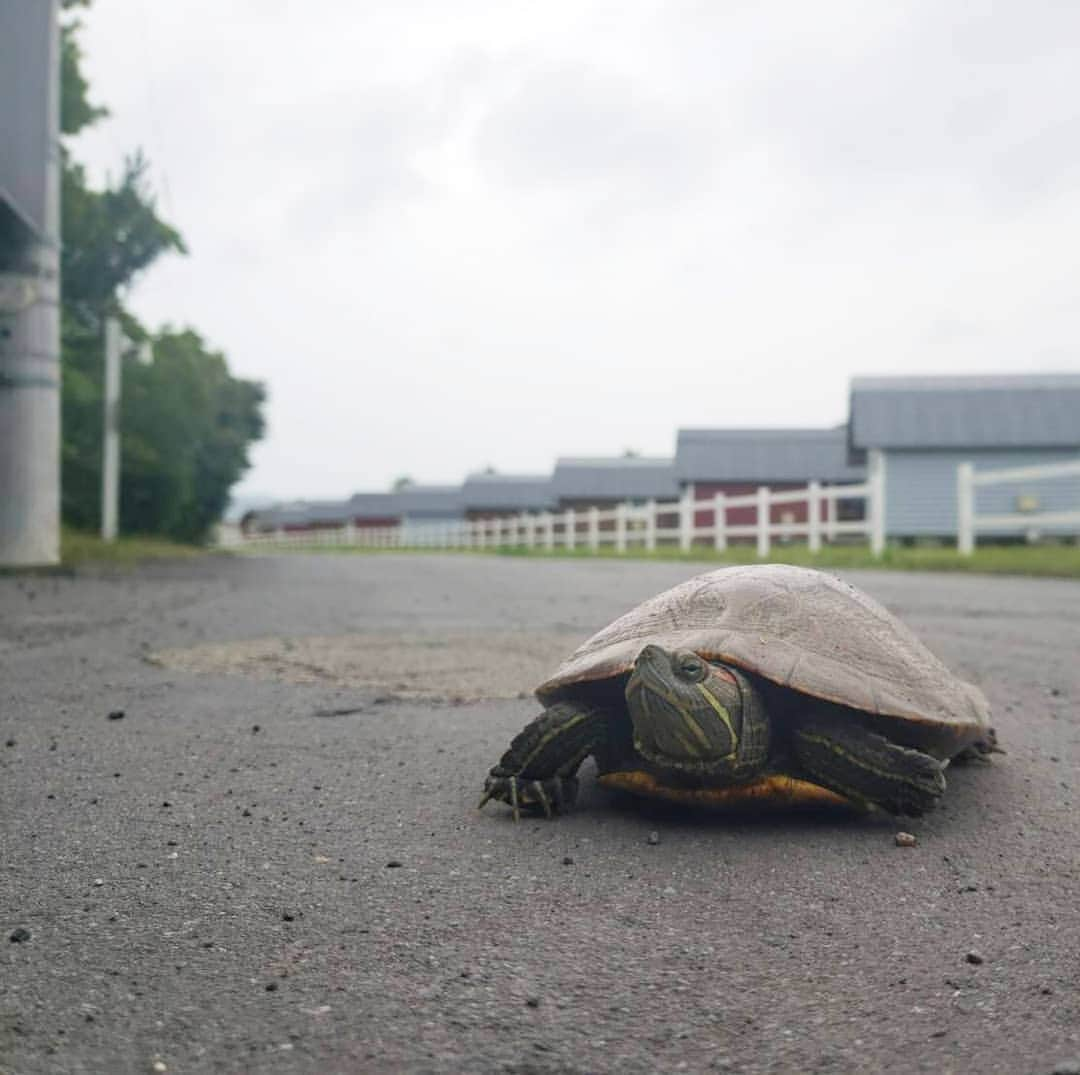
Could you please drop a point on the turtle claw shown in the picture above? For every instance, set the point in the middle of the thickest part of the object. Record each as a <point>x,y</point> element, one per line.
<point>553,795</point>
<point>545,802</point>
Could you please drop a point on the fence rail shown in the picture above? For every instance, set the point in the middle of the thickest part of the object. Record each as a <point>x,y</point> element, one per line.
<point>656,523</point>
<point>968,480</point>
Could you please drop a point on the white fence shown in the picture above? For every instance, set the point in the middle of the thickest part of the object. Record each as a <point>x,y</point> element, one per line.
<point>968,524</point>
<point>673,523</point>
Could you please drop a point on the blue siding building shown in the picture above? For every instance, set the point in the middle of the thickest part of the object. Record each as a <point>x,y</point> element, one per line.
<point>919,429</point>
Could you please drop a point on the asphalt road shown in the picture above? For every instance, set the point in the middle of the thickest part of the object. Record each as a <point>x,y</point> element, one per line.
<point>273,861</point>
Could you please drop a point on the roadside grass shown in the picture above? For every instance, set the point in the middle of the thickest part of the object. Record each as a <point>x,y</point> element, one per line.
<point>1052,561</point>
<point>1061,561</point>
<point>78,547</point>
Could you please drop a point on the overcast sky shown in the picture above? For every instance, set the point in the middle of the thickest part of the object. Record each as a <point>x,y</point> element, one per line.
<point>454,234</point>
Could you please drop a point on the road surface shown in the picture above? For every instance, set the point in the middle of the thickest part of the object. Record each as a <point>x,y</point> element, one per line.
<point>272,860</point>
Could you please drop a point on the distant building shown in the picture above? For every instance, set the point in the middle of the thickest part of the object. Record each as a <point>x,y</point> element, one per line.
<point>373,510</point>
<point>919,429</point>
<point>362,510</point>
<point>488,495</point>
<point>424,510</point>
<point>602,482</point>
<point>737,461</point>
<point>428,503</point>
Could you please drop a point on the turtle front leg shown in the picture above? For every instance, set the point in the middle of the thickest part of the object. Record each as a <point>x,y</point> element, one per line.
<point>867,768</point>
<point>538,771</point>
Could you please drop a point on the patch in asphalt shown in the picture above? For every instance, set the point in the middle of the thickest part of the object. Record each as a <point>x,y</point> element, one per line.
<point>450,665</point>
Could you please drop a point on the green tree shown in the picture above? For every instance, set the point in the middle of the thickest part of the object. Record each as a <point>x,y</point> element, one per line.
<point>187,428</point>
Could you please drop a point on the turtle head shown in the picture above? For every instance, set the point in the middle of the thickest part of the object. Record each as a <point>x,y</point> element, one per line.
<point>695,716</point>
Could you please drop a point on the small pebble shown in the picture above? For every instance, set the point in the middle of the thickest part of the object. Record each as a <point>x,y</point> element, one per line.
<point>393,864</point>
<point>116,714</point>
<point>288,916</point>
<point>18,935</point>
<point>654,838</point>
<point>533,1002</point>
<point>255,729</point>
<point>568,860</point>
<point>271,987</point>
<point>98,882</point>
<point>905,839</point>
<point>158,1065</point>
<point>9,743</point>
<point>974,957</point>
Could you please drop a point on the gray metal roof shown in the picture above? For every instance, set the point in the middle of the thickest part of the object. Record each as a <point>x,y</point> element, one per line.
<point>304,513</point>
<point>614,478</point>
<point>373,505</point>
<point>329,512</point>
<point>429,501</point>
<point>507,492</point>
<point>1000,411</point>
<point>764,455</point>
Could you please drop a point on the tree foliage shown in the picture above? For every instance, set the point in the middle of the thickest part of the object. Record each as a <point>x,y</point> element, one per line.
<point>186,423</point>
<point>76,111</point>
<point>110,236</point>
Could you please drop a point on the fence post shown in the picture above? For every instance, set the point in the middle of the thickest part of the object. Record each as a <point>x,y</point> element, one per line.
<point>686,519</point>
<point>813,517</point>
<point>719,514</point>
<point>965,509</point>
<point>650,524</point>
<point>876,479</point>
<point>569,527</point>
<point>763,522</point>
<point>620,527</point>
<point>830,515</point>
<point>594,528</point>
<point>528,521</point>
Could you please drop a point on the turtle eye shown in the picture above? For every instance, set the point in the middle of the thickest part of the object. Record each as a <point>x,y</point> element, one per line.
<point>691,667</point>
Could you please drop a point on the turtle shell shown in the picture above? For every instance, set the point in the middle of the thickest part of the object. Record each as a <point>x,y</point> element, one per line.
<point>801,629</point>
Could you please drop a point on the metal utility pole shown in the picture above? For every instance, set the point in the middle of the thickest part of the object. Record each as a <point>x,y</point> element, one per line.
<point>110,454</point>
<point>116,344</point>
<point>29,283</point>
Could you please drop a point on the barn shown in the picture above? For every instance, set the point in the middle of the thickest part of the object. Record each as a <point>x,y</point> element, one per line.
<point>603,482</point>
<point>427,509</point>
<point>917,430</point>
<point>486,495</point>
<point>363,510</point>
<point>737,461</point>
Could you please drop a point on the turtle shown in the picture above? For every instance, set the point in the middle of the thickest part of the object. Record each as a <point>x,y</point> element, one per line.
<point>766,684</point>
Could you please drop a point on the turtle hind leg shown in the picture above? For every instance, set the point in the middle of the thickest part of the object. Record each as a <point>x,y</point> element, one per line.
<point>538,770</point>
<point>868,768</point>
